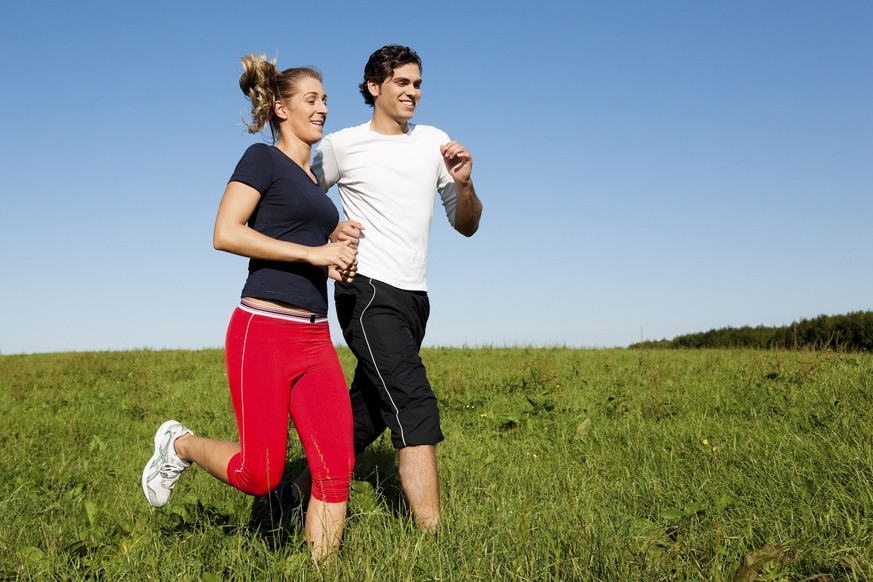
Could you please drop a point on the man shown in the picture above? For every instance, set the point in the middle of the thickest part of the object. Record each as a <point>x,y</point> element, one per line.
<point>388,172</point>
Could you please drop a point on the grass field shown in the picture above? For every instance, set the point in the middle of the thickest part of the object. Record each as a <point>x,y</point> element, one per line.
<point>559,464</point>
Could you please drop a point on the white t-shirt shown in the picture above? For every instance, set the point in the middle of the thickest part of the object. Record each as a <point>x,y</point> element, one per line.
<point>389,184</point>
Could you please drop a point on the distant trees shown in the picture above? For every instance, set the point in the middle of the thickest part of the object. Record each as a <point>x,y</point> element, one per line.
<point>850,332</point>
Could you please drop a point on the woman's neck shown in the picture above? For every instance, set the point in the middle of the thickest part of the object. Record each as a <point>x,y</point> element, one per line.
<point>295,149</point>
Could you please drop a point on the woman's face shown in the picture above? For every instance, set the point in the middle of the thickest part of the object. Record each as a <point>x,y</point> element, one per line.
<point>307,111</point>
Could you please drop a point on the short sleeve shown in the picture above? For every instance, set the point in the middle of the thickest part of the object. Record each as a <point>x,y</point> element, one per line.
<point>255,168</point>
<point>446,184</point>
<point>324,164</point>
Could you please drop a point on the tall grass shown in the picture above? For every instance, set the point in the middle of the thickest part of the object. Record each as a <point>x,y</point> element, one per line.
<point>559,464</point>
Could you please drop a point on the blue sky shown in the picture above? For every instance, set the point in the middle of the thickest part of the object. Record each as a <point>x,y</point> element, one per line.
<point>648,169</point>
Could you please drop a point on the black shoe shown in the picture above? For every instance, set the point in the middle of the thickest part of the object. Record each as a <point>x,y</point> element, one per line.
<point>287,495</point>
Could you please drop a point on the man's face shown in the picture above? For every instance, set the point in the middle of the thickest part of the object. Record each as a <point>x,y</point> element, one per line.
<point>398,96</point>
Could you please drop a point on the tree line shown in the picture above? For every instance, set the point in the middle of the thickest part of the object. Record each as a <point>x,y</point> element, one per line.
<point>852,332</point>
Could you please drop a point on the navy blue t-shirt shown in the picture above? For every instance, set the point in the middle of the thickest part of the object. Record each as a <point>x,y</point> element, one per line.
<point>293,209</point>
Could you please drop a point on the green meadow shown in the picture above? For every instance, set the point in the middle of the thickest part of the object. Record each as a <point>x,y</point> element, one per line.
<point>559,464</point>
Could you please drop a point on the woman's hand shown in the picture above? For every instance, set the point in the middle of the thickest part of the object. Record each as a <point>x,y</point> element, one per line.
<point>344,274</point>
<point>339,255</point>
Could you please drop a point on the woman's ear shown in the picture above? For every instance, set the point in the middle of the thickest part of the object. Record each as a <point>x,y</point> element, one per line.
<point>280,110</point>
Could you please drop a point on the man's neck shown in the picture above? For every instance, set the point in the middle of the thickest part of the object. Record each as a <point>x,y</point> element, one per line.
<point>388,126</point>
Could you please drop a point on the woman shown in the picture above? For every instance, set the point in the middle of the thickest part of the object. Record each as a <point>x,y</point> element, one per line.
<point>280,357</point>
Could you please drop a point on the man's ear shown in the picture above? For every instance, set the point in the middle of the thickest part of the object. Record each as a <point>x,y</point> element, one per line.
<point>375,89</point>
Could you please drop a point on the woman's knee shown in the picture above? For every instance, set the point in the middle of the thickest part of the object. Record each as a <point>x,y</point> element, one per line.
<point>259,481</point>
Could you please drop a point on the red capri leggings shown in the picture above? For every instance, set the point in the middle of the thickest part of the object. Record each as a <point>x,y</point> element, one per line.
<point>278,364</point>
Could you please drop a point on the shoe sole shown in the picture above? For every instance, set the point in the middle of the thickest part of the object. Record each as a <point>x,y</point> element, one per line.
<point>155,456</point>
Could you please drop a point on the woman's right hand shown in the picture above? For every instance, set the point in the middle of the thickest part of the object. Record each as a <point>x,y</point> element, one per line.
<point>339,255</point>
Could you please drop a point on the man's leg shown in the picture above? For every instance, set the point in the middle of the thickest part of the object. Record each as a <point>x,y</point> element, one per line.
<point>385,332</point>
<point>421,485</point>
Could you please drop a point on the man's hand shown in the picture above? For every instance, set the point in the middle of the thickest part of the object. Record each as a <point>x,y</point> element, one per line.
<point>347,231</point>
<point>458,161</point>
<point>344,276</point>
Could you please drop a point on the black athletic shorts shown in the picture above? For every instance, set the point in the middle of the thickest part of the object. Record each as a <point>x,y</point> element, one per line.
<point>384,327</point>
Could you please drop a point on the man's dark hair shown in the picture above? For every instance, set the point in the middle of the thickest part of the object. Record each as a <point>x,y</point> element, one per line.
<point>381,65</point>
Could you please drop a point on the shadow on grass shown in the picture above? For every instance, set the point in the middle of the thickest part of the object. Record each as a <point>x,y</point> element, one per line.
<point>375,487</point>
<point>377,466</point>
<point>279,519</point>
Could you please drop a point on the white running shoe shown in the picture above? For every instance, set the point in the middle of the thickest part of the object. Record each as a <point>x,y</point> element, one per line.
<point>165,467</point>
